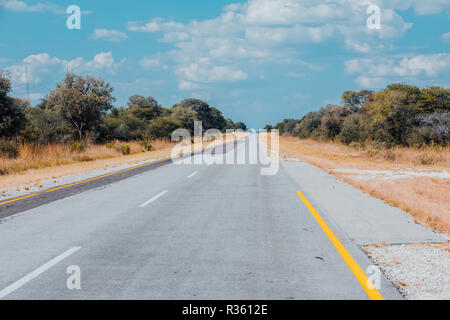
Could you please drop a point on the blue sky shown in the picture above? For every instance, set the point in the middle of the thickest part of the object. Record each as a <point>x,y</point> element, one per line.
<point>258,61</point>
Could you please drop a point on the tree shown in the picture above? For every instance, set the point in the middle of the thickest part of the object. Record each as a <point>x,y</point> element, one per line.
<point>185,116</point>
<point>433,99</point>
<point>355,99</point>
<point>163,127</point>
<point>239,126</point>
<point>217,119</point>
<point>82,101</point>
<point>392,115</point>
<point>308,124</point>
<point>144,107</point>
<point>332,121</point>
<point>12,116</point>
<point>123,125</point>
<point>46,126</point>
<point>202,110</point>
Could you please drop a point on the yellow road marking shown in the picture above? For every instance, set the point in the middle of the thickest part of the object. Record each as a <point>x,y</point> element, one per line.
<point>84,181</point>
<point>359,274</point>
<point>268,152</point>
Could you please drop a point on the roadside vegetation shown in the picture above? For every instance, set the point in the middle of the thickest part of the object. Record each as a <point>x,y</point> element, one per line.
<point>392,144</point>
<point>78,122</point>
<point>399,115</point>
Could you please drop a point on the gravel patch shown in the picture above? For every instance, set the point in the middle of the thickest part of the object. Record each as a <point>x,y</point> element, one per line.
<point>22,190</point>
<point>420,271</point>
<point>392,175</point>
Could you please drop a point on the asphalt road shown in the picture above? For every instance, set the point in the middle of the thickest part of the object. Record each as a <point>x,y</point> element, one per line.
<point>181,232</point>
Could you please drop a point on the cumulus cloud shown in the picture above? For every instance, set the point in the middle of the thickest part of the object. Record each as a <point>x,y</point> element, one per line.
<point>445,37</point>
<point>203,72</point>
<point>109,35</point>
<point>36,67</point>
<point>16,5</point>
<point>375,71</point>
<point>187,85</point>
<point>149,63</point>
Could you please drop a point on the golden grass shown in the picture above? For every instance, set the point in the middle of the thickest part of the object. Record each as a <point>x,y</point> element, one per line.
<point>39,163</point>
<point>34,156</point>
<point>36,163</point>
<point>426,199</point>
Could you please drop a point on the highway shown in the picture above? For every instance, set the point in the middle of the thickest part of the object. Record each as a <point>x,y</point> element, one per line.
<point>215,231</point>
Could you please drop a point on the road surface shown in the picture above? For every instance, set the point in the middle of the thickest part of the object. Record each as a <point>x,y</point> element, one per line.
<point>191,232</point>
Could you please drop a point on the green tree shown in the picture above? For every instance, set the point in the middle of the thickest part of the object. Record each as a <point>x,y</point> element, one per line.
<point>124,125</point>
<point>202,110</point>
<point>355,99</point>
<point>163,127</point>
<point>46,126</point>
<point>185,116</point>
<point>144,107</point>
<point>392,115</point>
<point>332,120</point>
<point>12,115</point>
<point>433,99</point>
<point>82,101</point>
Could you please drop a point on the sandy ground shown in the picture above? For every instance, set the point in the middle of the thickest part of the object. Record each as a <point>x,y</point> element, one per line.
<point>420,271</point>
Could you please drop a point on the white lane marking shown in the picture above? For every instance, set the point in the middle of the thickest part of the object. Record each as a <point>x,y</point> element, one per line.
<point>192,174</point>
<point>153,199</point>
<point>16,285</point>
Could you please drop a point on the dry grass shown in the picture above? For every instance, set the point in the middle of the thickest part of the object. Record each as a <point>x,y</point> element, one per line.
<point>36,163</point>
<point>32,156</point>
<point>426,199</point>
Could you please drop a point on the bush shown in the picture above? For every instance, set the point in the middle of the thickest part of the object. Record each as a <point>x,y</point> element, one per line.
<point>352,130</point>
<point>9,149</point>
<point>77,147</point>
<point>163,127</point>
<point>426,158</point>
<point>146,145</point>
<point>125,148</point>
<point>333,120</point>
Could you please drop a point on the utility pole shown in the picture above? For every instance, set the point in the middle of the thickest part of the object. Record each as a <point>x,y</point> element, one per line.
<point>27,83</point>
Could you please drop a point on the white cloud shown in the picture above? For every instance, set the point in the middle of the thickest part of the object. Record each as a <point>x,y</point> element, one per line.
<point>262,32</point>
<point>149,63</point>
<point>374,71</point>
<point>187,85</point>
<point>35,68</point>
<point>16,5</point>
<point>293,74</point>
<point>154,25</point>
<point>445,37</point>
<point>203,72</point>
<point>109,35</point>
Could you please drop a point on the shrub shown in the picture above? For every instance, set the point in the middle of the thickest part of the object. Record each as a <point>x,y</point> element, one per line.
<point>352,130</point>
<point>163,127</point>
<point>426,158</point>
<point>333,120</point>
<point>77,147</point>
<point>125,148</point>
<point>146,145</point>
<point>9,149</point>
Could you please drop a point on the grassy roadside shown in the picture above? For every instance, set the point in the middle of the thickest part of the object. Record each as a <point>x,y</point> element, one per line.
<point>37,164</point>
<point>414,180</point>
